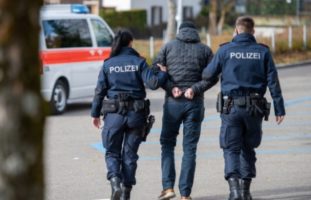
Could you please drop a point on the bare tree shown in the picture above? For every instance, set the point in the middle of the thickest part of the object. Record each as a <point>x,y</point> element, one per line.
<point>171,23</point>
<point>21,104</point>
<point>218,10</point>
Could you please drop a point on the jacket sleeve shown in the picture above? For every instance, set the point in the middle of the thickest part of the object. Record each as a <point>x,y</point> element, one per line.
<point>274,86</point>
<point>213,69</point>
<point>100,93</point>
<point>151,79</point>
<point>204,85</point>
<point>161,59</point>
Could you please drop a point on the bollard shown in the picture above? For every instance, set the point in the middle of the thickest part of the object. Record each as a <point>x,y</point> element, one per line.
<point>151,45</point>
<point>304,36</point>
<point>208,40</point>
<point>290,38</point>
<point>273,40</point>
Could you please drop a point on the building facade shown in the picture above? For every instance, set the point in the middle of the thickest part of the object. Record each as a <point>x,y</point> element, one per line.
<point>157,11</point>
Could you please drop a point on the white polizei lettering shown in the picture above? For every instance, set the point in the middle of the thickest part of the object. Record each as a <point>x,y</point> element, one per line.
<point>257,56</point>
<point>245,55</point>
<point>121,69</point>
<point>232,54</point>
<point>238,55</point>
<point>111,69</point>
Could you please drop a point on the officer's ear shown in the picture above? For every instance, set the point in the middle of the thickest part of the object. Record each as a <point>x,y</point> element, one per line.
<point>253,31</point>
<point>236,32</point>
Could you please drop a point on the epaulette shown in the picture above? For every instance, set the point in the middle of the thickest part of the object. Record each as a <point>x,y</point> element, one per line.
<point>262,44</point>
<point>106,59</point>
<point>142,57</point>
<point>224,44</point>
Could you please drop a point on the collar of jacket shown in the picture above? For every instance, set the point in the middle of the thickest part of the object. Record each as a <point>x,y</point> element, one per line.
<point>244,37</point>
<point>129,51</point>
<point>189,35</point>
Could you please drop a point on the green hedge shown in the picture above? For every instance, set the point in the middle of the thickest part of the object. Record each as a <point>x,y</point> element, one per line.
<point>133,19</point>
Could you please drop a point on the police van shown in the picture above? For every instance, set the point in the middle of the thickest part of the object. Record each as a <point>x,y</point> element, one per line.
<point>74,45</point>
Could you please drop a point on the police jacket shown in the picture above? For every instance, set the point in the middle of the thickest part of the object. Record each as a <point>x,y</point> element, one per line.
<point>125,73</point>
<point>185,58</point>
<point>246,67</point>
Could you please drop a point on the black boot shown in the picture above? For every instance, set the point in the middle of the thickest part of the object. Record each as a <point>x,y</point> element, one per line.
<point>245,193</point>
<point>234,189</point>
<point>126,193</point>
<point>115,188</point>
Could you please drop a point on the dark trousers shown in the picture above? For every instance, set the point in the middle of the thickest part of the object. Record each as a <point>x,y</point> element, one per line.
<point>121,138</point>
<point>191,114</point>
<point>240,134</point>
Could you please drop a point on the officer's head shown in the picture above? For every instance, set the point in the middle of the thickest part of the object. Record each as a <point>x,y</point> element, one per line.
<point>123,38</point>
<point>244,24</point>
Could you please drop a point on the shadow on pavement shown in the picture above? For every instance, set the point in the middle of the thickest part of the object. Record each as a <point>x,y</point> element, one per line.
<point>293,193</point>
<point>77,109</point>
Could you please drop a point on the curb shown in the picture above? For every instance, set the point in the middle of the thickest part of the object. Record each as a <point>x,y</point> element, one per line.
<point>296,64</point>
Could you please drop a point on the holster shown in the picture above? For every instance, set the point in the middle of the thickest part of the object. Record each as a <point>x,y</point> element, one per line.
<point>147,127</point>
<point>219,102</point>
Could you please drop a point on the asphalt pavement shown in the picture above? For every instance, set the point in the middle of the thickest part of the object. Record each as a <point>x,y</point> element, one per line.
<point>75,167</point>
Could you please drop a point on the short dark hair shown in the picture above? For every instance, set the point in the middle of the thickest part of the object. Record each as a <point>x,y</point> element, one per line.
<point>245,24</point>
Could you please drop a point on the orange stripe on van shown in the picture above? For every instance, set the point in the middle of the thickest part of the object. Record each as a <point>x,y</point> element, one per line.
<point>74,55</point>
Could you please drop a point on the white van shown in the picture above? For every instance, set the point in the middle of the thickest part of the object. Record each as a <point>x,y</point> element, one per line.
<point>74,45</point>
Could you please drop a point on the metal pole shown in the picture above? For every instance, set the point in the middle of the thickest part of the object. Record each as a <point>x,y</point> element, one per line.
<point>179,14</point>
<point>151,45</point>
<point>297,11</point>
<point>290,37</point>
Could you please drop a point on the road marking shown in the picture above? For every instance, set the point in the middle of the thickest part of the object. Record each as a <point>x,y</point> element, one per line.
<point>101,199</point>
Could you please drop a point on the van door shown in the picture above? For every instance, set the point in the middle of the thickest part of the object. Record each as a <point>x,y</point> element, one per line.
<point>103,38</point>
<point>70,44</point>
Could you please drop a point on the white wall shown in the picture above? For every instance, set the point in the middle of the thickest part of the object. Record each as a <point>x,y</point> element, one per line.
<point>147,4</point>
<point>118,4</point>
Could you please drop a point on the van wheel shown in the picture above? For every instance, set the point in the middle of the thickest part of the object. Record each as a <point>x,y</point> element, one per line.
<point>59,98</point>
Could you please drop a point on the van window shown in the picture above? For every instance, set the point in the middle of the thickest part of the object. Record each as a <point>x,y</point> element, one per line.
<point>66,33</point>
<point>102,34</point>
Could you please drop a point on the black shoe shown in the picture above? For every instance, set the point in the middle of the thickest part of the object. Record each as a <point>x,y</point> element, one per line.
<point>234,189</point>
<point>126,193</point>
<point>245,193</point>
<point>115,188</point>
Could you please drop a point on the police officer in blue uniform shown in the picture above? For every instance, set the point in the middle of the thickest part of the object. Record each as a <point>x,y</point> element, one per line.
<point>121,80</point>
<point>246,69</point>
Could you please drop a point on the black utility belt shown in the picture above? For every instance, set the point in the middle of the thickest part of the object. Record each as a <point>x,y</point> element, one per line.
<point>117,106</point>
<point>254,103</point>
<point>246,100</point>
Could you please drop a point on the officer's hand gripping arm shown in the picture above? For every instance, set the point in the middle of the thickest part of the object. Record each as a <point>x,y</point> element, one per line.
<point>152,80</point>
<point>213,69</point>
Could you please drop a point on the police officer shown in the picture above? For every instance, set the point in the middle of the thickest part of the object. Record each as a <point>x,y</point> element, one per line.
<point>246,69</point>
<point>121,80</point>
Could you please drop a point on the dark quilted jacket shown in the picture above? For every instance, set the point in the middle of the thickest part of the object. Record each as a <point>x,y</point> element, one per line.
<point>185,58</point>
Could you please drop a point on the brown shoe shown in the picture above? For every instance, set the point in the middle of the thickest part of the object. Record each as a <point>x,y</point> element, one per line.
<point>167,194</point>
<point>186,198</point>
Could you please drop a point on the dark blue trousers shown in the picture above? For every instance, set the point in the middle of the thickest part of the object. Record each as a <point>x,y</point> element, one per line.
<point>121,138</point>
<point>191,114</point>
<point>240,134</point>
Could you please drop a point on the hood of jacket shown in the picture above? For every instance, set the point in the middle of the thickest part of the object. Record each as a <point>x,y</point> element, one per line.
<point>189,35</point>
